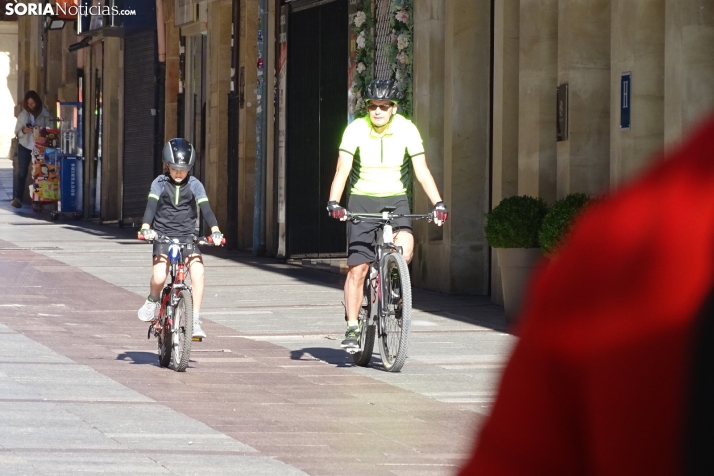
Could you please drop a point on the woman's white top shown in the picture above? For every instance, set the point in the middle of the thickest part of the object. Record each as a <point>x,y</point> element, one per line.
<point>24,118</point>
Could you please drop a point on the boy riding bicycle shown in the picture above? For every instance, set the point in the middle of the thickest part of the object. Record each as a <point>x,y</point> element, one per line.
<point>374,154</point>
<point>171,211</point>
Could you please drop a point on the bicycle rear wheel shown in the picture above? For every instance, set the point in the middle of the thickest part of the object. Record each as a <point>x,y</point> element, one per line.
<point>396,320</point>
<point>366,339</point>
<point>182,330</point>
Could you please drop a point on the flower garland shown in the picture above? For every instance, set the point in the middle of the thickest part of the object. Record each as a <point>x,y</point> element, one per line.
<point>362,65</point>
<point>400,51</point>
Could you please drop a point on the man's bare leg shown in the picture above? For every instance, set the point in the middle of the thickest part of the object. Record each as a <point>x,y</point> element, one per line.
<point>354,290</point>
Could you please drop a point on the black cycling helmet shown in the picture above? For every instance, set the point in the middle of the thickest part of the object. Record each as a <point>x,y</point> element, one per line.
<point>382,89</point>
<point>179,154</point>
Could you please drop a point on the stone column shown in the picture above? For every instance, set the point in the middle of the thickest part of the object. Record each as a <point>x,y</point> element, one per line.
<point>271,218</point>
<point>584,64</point>
<point>429,269</point>
<point>248,58</point>
<point>506,51</point>
<point>467,132</point>
<point>8,84</point>
<point>112,128</point>
<point>537,86</point>
<point>506,99</point>
<point>173,35</point>
<point>53,69</point>
<point>68,90</point>
<point>637,47</point>
<point>218,77</point>
<point>689,65</point>
<point>23,60</point>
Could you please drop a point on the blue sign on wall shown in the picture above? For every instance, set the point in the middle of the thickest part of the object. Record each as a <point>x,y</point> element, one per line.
<point>625,100</point>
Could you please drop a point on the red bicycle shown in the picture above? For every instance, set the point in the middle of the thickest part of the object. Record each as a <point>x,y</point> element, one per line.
<point>173,327</point>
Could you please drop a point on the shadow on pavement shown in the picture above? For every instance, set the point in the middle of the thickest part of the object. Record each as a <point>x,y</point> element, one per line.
<point>469,309</point>
<point>139,358</point>
<point>335,357</point>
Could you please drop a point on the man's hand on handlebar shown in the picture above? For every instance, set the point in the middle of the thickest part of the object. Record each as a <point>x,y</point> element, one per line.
<point>440,213</point>
<point>336,211</point>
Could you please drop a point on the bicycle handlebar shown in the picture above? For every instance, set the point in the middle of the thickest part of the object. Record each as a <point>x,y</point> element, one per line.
<point>201,240</point>
<point>387,216</point>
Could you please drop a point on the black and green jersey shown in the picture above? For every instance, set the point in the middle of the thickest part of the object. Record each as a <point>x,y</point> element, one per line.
<point>380,166</point>
<point>171,209</point>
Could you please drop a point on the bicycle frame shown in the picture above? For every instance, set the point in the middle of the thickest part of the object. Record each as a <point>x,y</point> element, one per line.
<point>374,282</point>
<point>170,293</point>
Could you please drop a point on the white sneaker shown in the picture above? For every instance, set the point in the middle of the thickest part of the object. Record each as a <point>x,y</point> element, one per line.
<point>197,331</point>
<point>149,311</point>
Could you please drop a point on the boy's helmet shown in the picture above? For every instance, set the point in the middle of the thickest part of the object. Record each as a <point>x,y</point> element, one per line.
<point>179,154</point>
<point>382,89</point>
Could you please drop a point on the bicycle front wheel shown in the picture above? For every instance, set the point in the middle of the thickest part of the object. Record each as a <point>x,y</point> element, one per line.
<point>165,338</point>
<point>396,318</point>
<point>182,330</point>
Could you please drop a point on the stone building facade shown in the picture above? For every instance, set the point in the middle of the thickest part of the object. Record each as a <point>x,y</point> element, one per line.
<point>666,46</point>
<point>484,98</point>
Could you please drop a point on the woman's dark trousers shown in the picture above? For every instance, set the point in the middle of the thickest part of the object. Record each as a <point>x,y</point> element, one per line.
<point>24,157</point>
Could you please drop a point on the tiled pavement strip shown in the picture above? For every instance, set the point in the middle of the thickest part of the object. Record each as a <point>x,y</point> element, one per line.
<point>269,392</point>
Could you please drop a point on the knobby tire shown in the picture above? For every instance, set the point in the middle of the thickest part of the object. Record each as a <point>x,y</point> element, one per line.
<point>183,335</point>
<point>165,339</point>
<point>394,331</point>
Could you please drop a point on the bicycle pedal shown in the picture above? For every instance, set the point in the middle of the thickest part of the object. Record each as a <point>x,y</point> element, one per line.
<point>352,350</point>
<point>197,339</point>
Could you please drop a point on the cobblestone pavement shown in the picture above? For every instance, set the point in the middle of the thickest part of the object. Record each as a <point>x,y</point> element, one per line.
<point>269,392</point>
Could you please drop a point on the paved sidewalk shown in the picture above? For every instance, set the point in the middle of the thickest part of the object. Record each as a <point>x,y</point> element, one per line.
<point>269,391</point>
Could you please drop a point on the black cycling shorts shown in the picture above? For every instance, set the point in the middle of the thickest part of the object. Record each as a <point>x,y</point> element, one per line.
<point>163,248</point>
<point>363,236</point>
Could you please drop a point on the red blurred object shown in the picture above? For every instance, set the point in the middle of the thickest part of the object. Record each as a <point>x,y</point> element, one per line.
<point>603,378</point>
<point>67,9</point>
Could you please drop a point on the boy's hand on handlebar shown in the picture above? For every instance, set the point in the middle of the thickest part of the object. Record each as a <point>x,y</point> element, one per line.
<point>336,211</point>
<point>440,213</point>
<point>147,234</point>
<point>217,238</point>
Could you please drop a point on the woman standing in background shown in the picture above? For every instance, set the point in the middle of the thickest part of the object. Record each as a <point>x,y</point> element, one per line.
<point>33,114</point>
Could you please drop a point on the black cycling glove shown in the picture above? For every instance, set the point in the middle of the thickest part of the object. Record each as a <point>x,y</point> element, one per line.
<point>335,210</point>
<point>440,212</point>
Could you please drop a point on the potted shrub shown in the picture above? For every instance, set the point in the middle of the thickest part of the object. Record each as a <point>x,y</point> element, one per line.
<point>558,221</point>
<point>512,229</point>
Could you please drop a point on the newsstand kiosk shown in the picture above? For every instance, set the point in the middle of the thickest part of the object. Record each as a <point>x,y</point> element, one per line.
<point>71,170</point>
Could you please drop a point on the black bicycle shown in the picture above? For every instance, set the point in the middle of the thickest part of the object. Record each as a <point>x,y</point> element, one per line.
<point>174,325</point>
<point>387,304</point>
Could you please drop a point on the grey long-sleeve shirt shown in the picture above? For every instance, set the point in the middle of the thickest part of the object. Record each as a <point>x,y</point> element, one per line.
<point>25,118</point>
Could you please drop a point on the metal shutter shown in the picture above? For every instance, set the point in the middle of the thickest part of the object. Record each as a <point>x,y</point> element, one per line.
<point>140,52</point>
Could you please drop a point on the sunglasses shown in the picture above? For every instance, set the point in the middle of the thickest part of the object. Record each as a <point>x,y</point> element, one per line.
<point>383,107</point>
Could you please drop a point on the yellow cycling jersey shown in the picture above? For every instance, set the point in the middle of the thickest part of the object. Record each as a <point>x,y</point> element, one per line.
<point>380,165</point>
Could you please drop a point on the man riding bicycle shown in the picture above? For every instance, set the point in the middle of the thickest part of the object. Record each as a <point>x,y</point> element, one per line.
<point>171,211</point>
<point>374,154</point>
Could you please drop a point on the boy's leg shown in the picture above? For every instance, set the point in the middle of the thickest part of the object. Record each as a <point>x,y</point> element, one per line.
<point>150,309</point>
<point>196,270</point>
<point>158,274</point>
